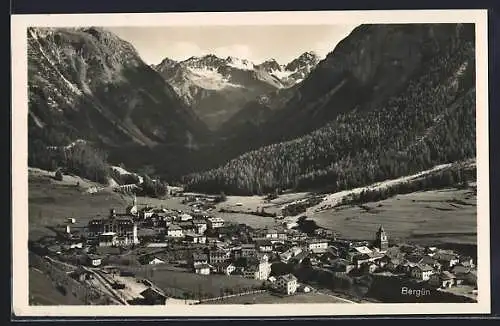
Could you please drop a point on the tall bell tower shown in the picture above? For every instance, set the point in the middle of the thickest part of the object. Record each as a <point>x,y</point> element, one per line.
<point>381,241</point>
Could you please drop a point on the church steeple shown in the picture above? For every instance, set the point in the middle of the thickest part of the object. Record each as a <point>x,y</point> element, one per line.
<point>381,241</point>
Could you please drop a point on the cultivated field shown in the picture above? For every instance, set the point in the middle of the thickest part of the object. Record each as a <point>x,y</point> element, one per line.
<point>268,298</point>
<point>176,284</point>
<point>52,202</point>
<point>445,216</point>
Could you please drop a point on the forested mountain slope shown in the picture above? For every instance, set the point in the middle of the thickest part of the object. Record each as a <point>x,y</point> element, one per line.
<point>371,65</point>
<point>430,120</point>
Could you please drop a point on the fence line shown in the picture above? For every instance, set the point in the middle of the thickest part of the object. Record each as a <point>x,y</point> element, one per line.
<point>230,296</point>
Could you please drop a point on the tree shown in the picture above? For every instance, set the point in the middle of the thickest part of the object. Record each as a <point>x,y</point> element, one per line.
<point>58,175</point>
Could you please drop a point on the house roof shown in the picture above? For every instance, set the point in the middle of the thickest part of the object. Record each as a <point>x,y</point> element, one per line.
<point>152,293</point>
<point>428,260</point>
<point>363,249</point>
<point>174,227</point>
<point>201,266</point>
<point>224,264</point>
<point>447,275</point>
<point>375,254</point>
<point>300,256</point>
<point>363,257</point>
<point>445,256</point>
<point>317,241</point>
<point>264,243</point>
<point>414,258</point>
<point>248,246</point>
<point>108,233</point>
<point>200,256</point>
<point>424,267</point>
<point>340,261</point>
<point>194,235</point>
<point>288,277</point>
<point>460,269</point>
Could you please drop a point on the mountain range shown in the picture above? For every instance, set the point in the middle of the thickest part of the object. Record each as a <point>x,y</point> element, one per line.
<point>217,88</point>
<point>389,100</point>
<point>87,83</point>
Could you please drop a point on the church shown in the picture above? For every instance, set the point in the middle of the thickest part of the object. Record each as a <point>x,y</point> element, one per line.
<point>381,240</point>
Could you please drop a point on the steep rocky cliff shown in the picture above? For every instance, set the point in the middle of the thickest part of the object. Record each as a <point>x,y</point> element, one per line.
<point>86,83</point>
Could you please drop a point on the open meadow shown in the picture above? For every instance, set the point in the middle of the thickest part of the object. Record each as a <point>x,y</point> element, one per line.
<point>51,202</point>
<point>178,284</point>
<point>444,216</point>
<point>269,298</point>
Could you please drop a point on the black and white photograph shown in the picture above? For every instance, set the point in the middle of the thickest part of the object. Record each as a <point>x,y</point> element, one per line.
<point>177,162</point>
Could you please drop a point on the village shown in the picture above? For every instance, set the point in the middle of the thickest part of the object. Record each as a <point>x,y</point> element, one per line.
<point>157,255</point>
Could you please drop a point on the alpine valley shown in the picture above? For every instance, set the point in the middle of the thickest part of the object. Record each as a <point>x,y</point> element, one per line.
<point>335,178</point>
<point>387,101</point>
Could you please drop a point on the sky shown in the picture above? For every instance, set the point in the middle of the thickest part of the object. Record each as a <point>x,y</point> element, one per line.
<point>255,43</point>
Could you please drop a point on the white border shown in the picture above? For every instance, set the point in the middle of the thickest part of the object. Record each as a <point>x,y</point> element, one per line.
<point>19,158</point>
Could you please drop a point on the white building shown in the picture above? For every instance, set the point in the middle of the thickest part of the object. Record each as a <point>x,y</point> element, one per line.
<point>263,269</point>
<point>259,271</point>
<point>215,222</point>
<point>203,269</point>
<point>124,228</point>
<point>226,268</point>
<point>174,231</point>
<point>185,217</point>
<point>196,238</point>
<point>156,261</point>
<point>94,260</point>
<point>200,225</point>
<point>422,272</point>
<point>108,239</point>
<point>292,252</point>
<point>317,245</point>
<point>287,284</point>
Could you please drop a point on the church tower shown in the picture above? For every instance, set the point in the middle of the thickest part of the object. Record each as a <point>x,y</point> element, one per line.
<point>381,241</point>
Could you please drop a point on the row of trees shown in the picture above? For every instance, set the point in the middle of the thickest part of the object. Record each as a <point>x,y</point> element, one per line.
<point>456,177</point>
<point>431,122</point>
<point>153,188</point>
<point>80,159</point>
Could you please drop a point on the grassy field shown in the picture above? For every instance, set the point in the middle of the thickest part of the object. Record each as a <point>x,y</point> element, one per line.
<point>445,216</point>
<point>268,298</point>
<point>176,283</point>
<point>51,202</point>
<point>43,292</point>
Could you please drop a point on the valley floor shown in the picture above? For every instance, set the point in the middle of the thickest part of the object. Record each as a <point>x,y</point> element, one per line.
<point>444,216</point>
<point>434,217</point>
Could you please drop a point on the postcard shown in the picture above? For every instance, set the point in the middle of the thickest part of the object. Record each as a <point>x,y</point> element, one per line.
<point>250,164</point>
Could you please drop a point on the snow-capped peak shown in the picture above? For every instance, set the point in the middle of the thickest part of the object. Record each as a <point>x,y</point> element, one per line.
<point>238,63</point>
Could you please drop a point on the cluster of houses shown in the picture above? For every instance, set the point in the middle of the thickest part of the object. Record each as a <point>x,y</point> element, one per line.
<point>240,250</point>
